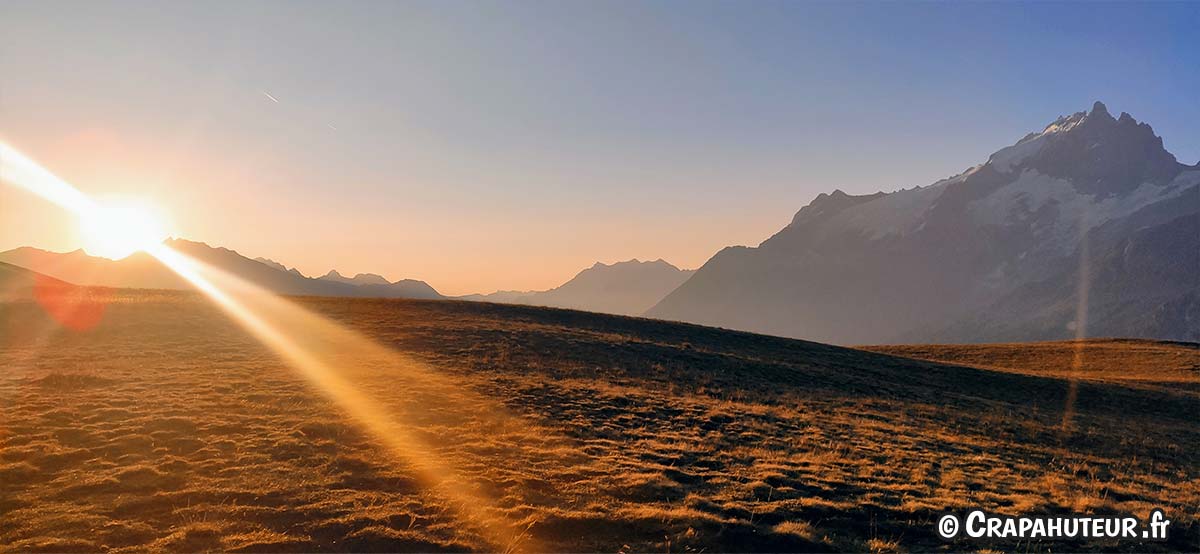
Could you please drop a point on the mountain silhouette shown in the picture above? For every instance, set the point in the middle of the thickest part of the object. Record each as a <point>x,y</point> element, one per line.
<point>626,288</point>
<point>279,266</point>
<point>141,270</point>
<point>360,279</point>
<point>1088,227</point>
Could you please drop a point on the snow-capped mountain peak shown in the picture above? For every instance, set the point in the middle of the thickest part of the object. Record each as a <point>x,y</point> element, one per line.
<point>931,263</point>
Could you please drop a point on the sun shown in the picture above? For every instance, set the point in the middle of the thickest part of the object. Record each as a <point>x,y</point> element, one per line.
<point>115,229</point>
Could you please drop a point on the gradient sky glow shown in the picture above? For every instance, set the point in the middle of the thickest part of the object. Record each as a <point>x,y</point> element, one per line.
<point>482,146</point>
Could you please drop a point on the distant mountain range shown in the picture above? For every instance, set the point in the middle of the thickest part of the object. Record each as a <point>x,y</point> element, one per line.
<point>621,288</point>
<point>1087,227</point>
<point>626,288</point>
<point>143,271</point>
<point>360,279</point>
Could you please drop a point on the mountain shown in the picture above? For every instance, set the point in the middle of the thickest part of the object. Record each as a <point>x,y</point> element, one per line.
<point>360,279</point>
<point>500,296</point>
<point>137,271</point>
<point>1090,219</point>
<point>628,288</point>
<point>143,271</point>
<point>279,266</point>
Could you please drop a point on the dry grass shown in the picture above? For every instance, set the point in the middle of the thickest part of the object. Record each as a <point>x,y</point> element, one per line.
<point>1126,360</point>
<point>168,428</point>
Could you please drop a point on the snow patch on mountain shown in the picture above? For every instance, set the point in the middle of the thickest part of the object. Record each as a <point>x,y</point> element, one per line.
<point>1077,213</point>
<point>1006,159</point>
<point>899,213</point>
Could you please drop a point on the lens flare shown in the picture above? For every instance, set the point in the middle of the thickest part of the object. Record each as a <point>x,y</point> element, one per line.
<point>1080,325</point>
<point>69,308</point>
<point>328,355</point>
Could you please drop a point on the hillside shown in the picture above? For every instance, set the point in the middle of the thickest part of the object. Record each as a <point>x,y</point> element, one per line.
<point>1087,228</point>
<point>20,283</point>
<point>167,427</point>
<point>623,288</point>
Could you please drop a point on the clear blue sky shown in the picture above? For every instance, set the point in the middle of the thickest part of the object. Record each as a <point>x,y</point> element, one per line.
<point>485,145</point>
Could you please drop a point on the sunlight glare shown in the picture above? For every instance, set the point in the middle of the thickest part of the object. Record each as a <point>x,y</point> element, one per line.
<point>327,354</point>
<point>22,172</point>
<point>319,349</point>
<point>116,229</point>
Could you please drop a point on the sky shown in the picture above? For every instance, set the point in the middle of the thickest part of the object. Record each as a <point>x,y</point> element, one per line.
<point>485,145</point>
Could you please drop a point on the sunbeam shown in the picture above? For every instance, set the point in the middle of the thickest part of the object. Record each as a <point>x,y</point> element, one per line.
<point>326,353</point>
<point>1080,326</point>
<point>328,356</point>
<point>22,172</point>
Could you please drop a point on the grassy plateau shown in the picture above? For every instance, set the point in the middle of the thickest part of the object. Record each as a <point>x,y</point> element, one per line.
<point>163,425</point>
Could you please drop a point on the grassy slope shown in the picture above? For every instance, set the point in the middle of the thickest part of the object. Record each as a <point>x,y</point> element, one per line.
<point>169,427</point>
<point>1099,359</point>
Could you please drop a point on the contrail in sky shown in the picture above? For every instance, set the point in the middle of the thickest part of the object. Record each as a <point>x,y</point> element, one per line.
<point>272,98</point>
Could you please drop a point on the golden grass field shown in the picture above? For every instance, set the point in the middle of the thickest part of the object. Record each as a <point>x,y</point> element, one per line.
<point>169,428</point>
